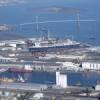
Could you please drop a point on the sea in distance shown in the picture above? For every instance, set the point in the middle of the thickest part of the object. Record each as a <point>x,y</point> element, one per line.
<point>20,14</point>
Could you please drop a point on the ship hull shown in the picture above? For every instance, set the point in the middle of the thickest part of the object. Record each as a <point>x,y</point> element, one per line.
<point>19,70</point>
<point>52,48</point>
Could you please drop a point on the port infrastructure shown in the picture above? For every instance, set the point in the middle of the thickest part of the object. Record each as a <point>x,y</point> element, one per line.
<point>46,89</point>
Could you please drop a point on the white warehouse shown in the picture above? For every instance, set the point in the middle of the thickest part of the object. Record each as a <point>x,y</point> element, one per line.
<point>61,80</point>
<point>91,65</point>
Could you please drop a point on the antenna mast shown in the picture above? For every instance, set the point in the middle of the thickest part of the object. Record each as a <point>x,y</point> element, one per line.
<point>78,23</point>
<point>37,23</point>
<point>48,34</point>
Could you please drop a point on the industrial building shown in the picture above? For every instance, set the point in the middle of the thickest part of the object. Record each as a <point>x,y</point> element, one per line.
<point>61,80</point>
<point>91,65</point>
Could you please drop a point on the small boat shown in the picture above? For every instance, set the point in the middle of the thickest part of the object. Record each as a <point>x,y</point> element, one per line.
<point>21,79</point>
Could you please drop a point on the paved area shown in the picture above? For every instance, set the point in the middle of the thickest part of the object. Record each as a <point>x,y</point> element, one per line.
<point>22,87</point>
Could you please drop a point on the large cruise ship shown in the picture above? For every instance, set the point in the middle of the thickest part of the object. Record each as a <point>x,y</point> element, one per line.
<point>49,45</point>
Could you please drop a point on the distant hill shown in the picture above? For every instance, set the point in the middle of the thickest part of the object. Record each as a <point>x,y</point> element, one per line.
<point>11,2</point>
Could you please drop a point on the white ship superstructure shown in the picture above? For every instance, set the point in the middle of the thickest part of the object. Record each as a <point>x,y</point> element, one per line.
<point>52,45</point>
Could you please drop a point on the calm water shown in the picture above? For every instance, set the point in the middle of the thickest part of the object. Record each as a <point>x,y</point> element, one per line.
<point>22,13</point>
<point>89,79</point>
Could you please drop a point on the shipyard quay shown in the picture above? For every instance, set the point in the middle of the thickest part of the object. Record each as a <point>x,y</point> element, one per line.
<point>49,50</point>
<point>60,72</point>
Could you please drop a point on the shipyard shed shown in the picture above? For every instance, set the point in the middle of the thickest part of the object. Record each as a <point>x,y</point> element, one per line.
<point>61,80</point>
<point>91,65</point>
<point>15,44</point>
